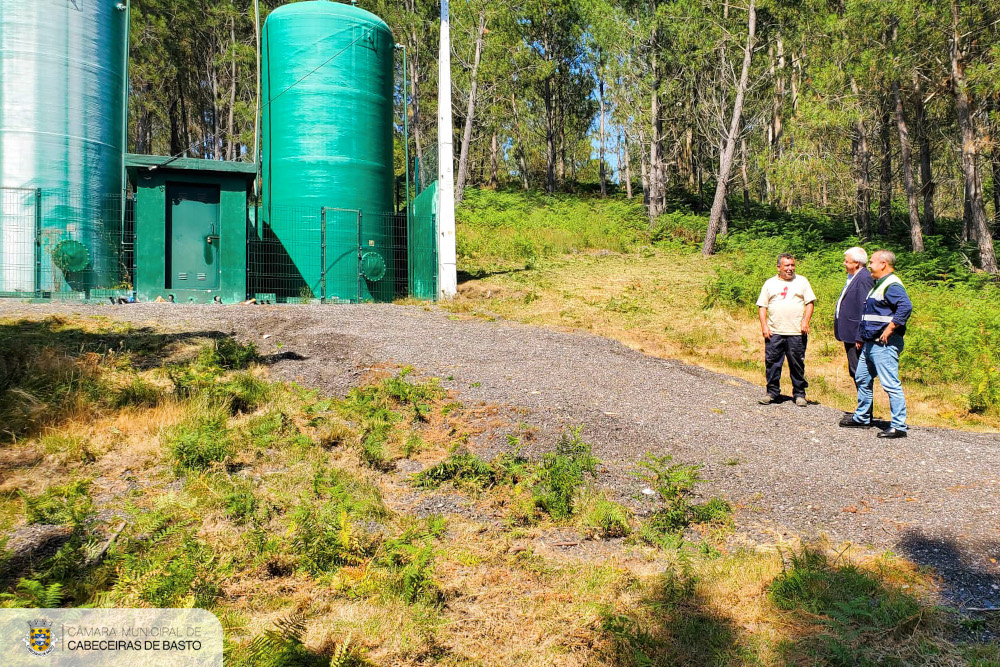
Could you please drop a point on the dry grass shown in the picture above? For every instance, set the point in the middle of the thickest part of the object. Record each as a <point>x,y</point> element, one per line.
<point>507,594</point>
<point>652,302</point>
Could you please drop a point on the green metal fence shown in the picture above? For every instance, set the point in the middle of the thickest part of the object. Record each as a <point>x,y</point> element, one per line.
<point>335,255</point>
<point>57,244</point>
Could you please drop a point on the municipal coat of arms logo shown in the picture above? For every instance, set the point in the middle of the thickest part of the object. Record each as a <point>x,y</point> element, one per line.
<point>39,638</point>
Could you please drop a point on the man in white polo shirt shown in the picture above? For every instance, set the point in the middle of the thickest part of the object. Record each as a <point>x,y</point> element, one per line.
<point>785,307</point>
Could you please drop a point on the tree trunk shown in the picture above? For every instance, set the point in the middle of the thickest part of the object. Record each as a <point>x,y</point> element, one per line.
<point>655,180</point>
<point>995,164</point>
<point>862,174</point>
<point>885,177</point>
<point>231,141</point>
<point>718,205</point>
<point>216,140</point>
<point>746,177</point>
<point>550,138</point>
<point>600,97</point>
<point>777,121</point>
<point>643,169</point>
<point>494,160</point>
<point>470,112</point>
<point>916,237</point>
<point>926,178</point>
<point>519,150</point>
<point>976,217</point>
<point>628,168</point>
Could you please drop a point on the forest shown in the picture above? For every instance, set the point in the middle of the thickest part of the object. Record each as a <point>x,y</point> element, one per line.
<point>881,111</point>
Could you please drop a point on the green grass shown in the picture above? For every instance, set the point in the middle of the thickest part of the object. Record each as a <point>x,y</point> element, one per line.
<point>953,337</point>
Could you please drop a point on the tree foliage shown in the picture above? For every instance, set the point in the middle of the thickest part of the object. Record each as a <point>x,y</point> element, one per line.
<point>883,110</point>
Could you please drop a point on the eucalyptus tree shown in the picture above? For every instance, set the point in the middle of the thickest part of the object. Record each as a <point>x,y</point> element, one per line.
<point>729,141</point>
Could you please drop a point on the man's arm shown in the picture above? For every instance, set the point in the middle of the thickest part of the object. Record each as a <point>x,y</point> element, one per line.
<point>901,309</point>
<point>764,329</point>
<point>804,325</point>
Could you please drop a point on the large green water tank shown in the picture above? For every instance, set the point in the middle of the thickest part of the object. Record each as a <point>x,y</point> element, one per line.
<point>326,137</point>
<point>62,78</point>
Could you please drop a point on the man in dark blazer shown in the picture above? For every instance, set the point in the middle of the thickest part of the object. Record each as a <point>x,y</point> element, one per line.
<point>851,304</point>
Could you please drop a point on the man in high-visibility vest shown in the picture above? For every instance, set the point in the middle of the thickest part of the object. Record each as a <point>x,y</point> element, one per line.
<point>883,325</point>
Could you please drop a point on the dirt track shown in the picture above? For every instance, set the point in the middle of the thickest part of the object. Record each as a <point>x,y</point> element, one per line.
<point>933,497</point>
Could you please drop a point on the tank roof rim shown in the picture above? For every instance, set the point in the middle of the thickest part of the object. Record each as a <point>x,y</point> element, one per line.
<point>343,10</point>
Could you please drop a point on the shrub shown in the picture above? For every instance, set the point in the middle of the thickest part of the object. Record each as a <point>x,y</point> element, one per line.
<point>462,469</point>
<point>244,393</point>
<point>853,604</point>
<point>200,441</point>
<point>610,518</point>
<point>325,539</point>
<point>68,504</point>
<point>240,503</point>
<point>561,474</point>
<point>228,354</point>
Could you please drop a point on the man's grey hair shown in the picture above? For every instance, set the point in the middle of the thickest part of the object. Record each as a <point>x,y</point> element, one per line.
<point>785,255</point>
<point>857,254</point>
<point>888,256</point>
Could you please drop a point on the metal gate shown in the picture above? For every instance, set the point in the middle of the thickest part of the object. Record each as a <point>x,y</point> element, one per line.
<point>340,255</point>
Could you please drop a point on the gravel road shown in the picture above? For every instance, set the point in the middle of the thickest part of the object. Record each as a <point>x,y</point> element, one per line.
<point>933,497</point>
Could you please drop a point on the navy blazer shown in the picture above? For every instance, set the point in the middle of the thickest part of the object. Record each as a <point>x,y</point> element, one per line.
<point>845,327</point>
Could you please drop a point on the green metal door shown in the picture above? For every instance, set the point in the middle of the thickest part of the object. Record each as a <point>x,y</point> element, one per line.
<point>192,236</point>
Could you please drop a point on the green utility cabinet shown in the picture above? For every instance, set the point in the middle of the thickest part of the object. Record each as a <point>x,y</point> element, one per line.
<point>190,228</point>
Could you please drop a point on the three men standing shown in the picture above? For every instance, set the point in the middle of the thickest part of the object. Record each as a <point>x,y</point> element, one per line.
<point>883,324</point>
<point>785,306</point>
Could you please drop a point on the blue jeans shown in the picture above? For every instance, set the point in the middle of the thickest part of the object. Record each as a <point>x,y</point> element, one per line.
<point>882,361</point>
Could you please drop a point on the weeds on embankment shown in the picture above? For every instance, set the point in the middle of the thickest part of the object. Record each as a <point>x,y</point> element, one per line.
<point>654,292</point>
<point>282,511</point>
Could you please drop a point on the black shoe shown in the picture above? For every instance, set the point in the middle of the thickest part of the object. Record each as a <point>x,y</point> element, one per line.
<point>891,433</point>
<point>847,421</point>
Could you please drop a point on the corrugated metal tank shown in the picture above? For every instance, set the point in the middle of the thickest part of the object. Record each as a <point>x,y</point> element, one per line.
<point>326,137</point>
<point>62,78</point>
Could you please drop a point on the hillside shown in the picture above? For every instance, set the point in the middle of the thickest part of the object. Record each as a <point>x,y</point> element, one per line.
<point>590,263</point>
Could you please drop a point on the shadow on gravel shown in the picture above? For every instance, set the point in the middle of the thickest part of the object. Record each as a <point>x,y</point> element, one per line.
<point>970,578</point>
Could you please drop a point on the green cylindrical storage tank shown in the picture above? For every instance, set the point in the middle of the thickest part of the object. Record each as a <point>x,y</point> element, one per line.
<point>326,138</point>
<point>62,79</point>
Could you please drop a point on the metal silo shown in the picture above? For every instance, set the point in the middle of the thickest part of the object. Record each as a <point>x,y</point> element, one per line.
<point>326,137</point>
<point>62,81</point>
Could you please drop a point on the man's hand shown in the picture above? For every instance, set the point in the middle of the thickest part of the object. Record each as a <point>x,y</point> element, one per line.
<point>858,345</point>
<point>884,338</point>
<point>764,329</point>
<point>806,316</point>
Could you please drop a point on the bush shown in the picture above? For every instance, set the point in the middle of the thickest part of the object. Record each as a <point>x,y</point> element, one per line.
<point>244,393</point>
<point>462,469</point>
<point>610,518</point>
<point>228,354</point>
<point>325,539</point>
<point>68,504</point>
<point>561,474</point>
<point>199,442</point>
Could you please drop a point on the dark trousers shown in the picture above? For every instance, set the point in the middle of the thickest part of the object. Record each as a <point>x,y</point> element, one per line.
<point>852,358</point>
<point>776,350</point>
